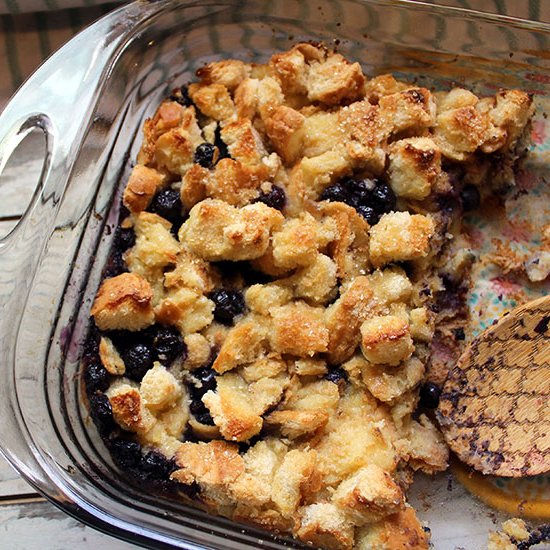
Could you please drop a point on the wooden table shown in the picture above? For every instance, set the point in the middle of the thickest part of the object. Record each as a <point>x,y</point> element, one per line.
<point>28,521</point>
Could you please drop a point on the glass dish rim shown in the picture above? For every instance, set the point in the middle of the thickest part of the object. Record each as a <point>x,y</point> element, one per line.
<point>78,512</point>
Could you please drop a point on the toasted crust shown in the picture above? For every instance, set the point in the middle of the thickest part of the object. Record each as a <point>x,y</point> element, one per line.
<point>324,525</point>
<point>229,73</point>
<point>129,410</point>
<point>369,495</point>
<point>214,463</point>
<point>298,329</point>
<point>398,236</point>
<point>344,319</point>
<point>123,302</point>
<point>415,167</point>
<point>386,340</point>
<point>400,530</point>
<point>236,183</point>
<point>217,231</point>
<point>243,344</point>
<point>213,100</point>
<point>141,187</point>
<point>283,127</point>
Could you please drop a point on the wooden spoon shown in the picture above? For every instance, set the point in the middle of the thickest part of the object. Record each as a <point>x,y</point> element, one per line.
<point>494,408</point>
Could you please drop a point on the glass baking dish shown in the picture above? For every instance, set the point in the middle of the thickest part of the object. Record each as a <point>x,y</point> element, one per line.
<point>90,100</point>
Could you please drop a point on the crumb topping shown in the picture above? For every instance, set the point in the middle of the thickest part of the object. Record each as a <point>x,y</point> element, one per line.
<point>289,229</point>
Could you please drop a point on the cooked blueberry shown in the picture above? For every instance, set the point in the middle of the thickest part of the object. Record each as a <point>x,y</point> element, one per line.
<point>223,153</point>
<point>167,203</point>
<point>168,344</point>
<point>337,192</point>
<point>138,359</point>
<point>360,192</point>
<point>201,413</point>
<point>470,197</point>
<point>155,465</point>
<point>204,155</point>
<point>337,375</point>
<point>96,377</point>
<point>229,304</point>
<point>126,238</point>
<point>127,454</point>
<point>115,264</point>
<point>383,198</point>
<point>102,413</point>
<point>182,97</point>
<point>275,198</point>
<point>368,213</point>
<point>429,395</point>
<point>207,380</point>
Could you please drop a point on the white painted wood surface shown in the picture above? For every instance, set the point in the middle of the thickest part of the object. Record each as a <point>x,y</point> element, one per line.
<point>28,521</point>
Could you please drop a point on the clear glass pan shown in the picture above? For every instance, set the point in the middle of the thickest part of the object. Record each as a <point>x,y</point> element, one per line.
<point>90,100</point>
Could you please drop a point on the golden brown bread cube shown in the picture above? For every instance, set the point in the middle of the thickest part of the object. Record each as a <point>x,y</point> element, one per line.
<point>368,495</point>
<point>129,410</point>
<point>186,309</point>
<point>400,236</point>
<point>400,530</point>
<point>294,481</point>
<point>233,409</point>
<point>415,167</point>
<point>213,100</point>
<point>144,182</point>
<point>298,329</point>
<point>335,80</point>
<point>298,241</point>
<point>159,388</point>
<point>386,340</point>
<point>218,231</point>
<point>344,319</point>
<point>244,343</point>
<point>123,302</point>
<point>228,72</point>
<point>110,358</point>
<point>324,525</point>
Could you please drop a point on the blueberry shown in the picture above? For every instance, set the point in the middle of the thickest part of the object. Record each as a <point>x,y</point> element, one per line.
<point>223,153</point>
<point>126,454</point>
<point>102,413</point>
<point>96,377</point>
<point>276,198</point>
<point>369,214</point>
<point>154,465</point>
<point>206,377</point>
<point>201,413</point>
<point>181,96</point>
<point>360,192</point>
<point>167,344</point>
<point>470,197</point>
<point>167,203</point>
<point>429,395</point>
<point>204,155</point>
<point>138,359</point>
<point>383,198</point>
<point>337,193</point>
<point>115,264</point>
<point>229,304</point>
<point>125,238</point>
<point>337,375</point>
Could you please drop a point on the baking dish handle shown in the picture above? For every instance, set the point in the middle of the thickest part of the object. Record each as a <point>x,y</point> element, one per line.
<point>57,99</point>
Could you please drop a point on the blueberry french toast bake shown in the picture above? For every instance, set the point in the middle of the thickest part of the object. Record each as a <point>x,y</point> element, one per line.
<point>287,290</point>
